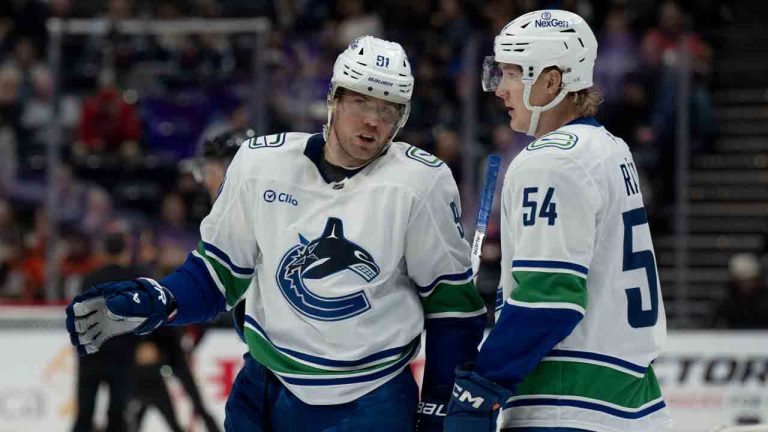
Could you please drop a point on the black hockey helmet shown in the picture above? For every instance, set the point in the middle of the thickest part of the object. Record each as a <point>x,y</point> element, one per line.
<point>224,145</point>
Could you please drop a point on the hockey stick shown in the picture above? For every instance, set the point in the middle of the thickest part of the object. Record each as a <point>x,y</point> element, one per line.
<point>484,212</point>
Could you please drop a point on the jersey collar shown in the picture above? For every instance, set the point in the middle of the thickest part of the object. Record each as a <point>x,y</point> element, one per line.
<point>314,151</point>
<point>589,121</point>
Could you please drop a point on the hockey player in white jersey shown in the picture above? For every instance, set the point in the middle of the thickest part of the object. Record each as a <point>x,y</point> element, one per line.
<point>581,314</point>
<point>346,245</point>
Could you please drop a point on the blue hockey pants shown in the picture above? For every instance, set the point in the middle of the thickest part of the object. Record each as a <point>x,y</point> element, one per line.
<point>259,402</point>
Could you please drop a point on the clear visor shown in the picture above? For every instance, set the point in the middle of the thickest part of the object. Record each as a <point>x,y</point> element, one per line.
<point>491,74</point>
<point>366,104</point>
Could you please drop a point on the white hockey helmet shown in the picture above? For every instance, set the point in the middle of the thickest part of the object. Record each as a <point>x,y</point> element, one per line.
<point>538,40</point>
<point>377,68</point>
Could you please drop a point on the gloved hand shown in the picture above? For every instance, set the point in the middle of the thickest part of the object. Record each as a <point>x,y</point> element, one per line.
<point>430,415</point>
<point>475,403</point>
<point>111,309</point>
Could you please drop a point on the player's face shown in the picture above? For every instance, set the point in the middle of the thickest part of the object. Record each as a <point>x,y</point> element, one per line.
<point>510,90</point>
<point>362,127</point>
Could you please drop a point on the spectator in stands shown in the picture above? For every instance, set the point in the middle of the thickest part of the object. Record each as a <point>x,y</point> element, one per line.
<point>6,26</point>
<point>249,8</point>
<point>663,47</point>
<point>618,51</point>
<point>25,59</point>
<point>745,305</point>
<point>114,363</point>
<point>196,199</point>
<point>299,83</point>
<point>499,12</point>
<point>448,149</point>
<point>629,118</point>
<point>9,123</point>
<point>98,214</point>
<point>661,44</point>
<point>33,262</point>
<point>11,276</point>
<point>108,124</point>
<point>356,21</point>
<point>452,24</point>
<point>77,262</point>
<point>169,45</point>
<point>37,115</point>
<point>120,10</point>
<point>118,51</point>
<point>173,235</point>
<point>72,195</point>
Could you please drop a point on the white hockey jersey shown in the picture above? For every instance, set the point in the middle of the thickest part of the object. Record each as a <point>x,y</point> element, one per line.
<point>575,236</point>
<point>338,277</point>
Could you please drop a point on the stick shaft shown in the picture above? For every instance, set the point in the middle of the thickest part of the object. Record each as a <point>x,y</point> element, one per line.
<point>484,210</point>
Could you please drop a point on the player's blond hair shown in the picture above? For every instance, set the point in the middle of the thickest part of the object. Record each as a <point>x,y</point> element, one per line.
<point>586,101</point>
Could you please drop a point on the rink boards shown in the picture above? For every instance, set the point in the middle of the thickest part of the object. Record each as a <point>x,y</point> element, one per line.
<point>709,378</point>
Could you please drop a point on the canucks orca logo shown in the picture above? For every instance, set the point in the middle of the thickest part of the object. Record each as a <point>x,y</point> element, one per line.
<point>322,257</point>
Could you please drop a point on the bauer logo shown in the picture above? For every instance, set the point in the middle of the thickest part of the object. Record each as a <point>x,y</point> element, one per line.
<point>382,82</point>
<point>271,196</point>
<point>547,21</point>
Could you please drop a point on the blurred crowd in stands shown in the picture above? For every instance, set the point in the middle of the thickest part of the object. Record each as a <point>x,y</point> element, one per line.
<point>133,110</point>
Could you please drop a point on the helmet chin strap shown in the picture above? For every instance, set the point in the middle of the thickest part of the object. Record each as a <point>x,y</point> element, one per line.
<point>537,110</point>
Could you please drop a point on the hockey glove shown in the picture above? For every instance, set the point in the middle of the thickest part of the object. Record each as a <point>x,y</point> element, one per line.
<point>475,403</point>
<point>116,308</point>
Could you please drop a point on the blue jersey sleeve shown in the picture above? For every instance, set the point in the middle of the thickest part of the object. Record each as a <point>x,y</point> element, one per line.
<point>197,296</point>
<point>450,342</point>
<point>520,339</point>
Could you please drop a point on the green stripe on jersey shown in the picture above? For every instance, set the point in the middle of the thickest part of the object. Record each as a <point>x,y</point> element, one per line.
<point>600,383</point>
<point>543,287</point>
<point>234,286</point>
<point>265,353</point>
<point>452,298</point>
